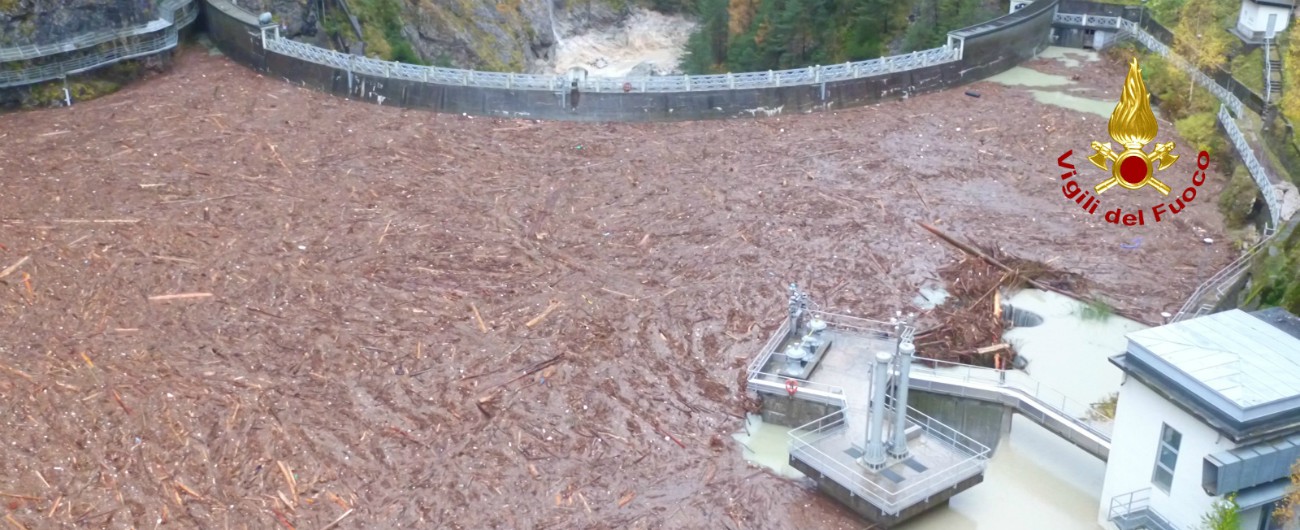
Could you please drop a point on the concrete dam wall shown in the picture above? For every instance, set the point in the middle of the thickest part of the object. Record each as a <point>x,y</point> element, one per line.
<point>971,54</point>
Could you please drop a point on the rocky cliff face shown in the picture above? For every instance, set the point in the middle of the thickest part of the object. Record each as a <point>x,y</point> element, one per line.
<point>47,22</point>
<point>509,35</point>
<point>301,18</point>
<point>499,35</point>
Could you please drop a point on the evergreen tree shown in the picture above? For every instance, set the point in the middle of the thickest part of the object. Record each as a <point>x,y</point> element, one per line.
<point>782,34</point>
<point>742,54</point>
<point>706,49</point>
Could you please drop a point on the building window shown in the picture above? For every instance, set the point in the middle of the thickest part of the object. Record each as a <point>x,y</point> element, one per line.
<point>1166,458</point>
<point>1266,518</point>
<point>1273,521</point>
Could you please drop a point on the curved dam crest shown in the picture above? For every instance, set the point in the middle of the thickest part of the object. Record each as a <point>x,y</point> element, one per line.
<point>971,54</point>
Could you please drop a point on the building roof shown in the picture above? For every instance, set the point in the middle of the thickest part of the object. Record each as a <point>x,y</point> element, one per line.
<point>1242,358</point>
<point>1275,3</point>
<point>1280,319</point>
<point>1239,372</point>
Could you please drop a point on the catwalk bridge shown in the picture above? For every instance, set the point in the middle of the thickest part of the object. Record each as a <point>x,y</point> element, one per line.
<point>1080,424</point>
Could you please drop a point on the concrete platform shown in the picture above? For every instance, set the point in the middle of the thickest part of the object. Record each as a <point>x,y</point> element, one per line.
<point>871,512</point>
<point>841,368</point>
<point>941,464</point>
<point>941,461</point>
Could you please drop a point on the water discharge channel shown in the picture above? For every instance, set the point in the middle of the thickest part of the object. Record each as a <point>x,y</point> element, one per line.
<point>647,39</point>
<point>1035,479</point>
<point>1051,89</point>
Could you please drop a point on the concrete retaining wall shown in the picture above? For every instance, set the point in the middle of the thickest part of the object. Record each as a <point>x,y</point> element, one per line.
<point>792,412</point>
<point>988,49</point>
<point>235,33</point>
<point>997,45</point>
<point>984,422</point>
<point>871,513</point>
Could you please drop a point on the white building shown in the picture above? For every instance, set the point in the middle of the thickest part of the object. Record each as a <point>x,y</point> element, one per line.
<point>1262,19</point>
<point>1208,406</point>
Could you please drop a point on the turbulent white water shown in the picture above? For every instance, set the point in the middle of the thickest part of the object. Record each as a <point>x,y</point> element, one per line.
<point>555,29</point>
<point>646,36</point>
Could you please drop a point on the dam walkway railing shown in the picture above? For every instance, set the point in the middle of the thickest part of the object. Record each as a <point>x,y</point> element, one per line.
<point>1082,425</point>
<point>773,383</point>
<point>33,63</point>
<point>273,42</point>
<point>807,445</point>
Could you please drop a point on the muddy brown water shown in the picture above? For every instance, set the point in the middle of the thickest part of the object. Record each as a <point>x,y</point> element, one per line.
<point>374,273</point>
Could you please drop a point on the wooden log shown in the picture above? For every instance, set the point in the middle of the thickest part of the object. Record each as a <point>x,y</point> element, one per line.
<point>178,296</point>
<point>993,348</point>
<point>969,249</point>
<point>10,269</point>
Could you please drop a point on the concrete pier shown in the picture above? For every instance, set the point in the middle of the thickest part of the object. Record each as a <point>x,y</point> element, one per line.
<point>888,466</point>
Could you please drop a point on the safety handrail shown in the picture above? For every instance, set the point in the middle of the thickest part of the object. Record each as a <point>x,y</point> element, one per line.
<point>1195,304</point>
<point>166,17</point>
<point>1225,277</point>
<point>274,42</point>
<point>1045,396</point>
<point>157,36</point>
<point>803,438</point>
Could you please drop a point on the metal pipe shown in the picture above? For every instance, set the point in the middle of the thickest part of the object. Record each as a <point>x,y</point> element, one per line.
<point>874,457</point>
<point>898,449</point>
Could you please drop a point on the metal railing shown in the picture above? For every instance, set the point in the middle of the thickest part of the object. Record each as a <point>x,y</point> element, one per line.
<point>1082,415</point>
<point>807,390</point>
<point>833,321</point>
<point>1223,94</point>
<point>1218,283</point>
<point>1134,29</point>
<point>166,13</point>
<point>1268,70</point>
<point>157,36</point>
<point>1132,510</point>
<point>1257,171</point>
<point>803,442</point>
<point>275,43</point>
<point>758,380</point>
<point>756,365</point>
<point>1090,21</point>
<point>852,323</point>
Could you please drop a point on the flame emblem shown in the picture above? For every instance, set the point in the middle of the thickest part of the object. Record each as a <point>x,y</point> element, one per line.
<point>1133,126</point>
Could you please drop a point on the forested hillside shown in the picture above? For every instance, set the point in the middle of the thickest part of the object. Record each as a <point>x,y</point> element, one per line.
<point>748,35</point>
<point>1201,36</point>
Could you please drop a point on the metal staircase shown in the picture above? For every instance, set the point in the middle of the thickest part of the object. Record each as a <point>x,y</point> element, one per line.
<point>1272,72</point>
<point>1132,511</point>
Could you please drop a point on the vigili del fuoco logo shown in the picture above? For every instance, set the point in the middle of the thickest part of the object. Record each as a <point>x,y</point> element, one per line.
<point>1133,126</point>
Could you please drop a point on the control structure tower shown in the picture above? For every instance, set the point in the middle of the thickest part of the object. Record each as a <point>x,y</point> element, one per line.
<point>842,382</point>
